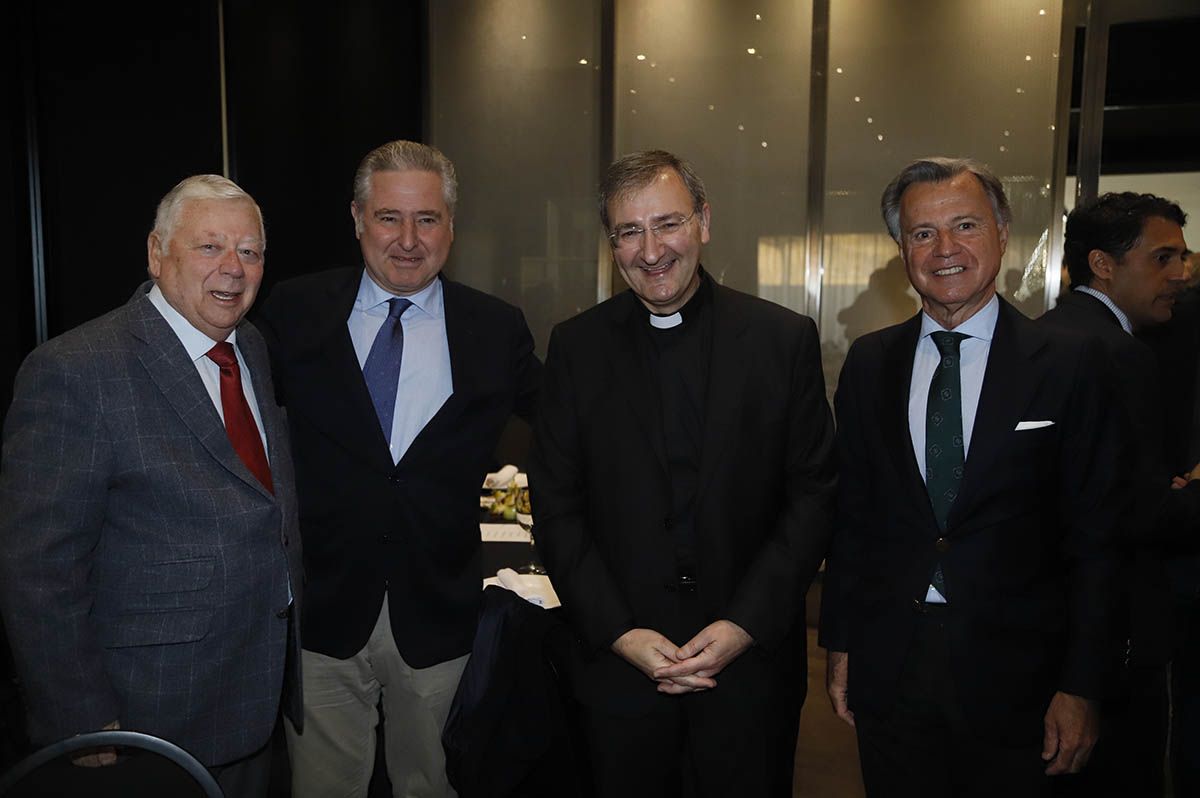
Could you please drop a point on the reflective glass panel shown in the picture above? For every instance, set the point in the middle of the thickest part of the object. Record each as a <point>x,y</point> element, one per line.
<point>514,102</point>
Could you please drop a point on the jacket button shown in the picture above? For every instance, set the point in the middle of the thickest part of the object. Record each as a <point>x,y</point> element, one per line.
<point>395,479</point>
<point>285,540</point>
<point>667,523</point>
<point>942,544</point>
<point>385,538</point>
<point>283,613</point>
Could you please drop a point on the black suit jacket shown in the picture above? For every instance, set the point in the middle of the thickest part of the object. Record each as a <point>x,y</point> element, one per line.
<point>1176,346</point>
<point>369,526</point>
<point>1159,521</point>
<point>1028,553</point>
<point>601,491</point>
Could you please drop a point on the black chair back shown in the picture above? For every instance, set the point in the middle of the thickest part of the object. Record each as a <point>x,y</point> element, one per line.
<point>146,765</point>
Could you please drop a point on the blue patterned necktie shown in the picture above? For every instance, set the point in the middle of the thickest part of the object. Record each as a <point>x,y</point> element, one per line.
<point>382,369</point>
<point>944,456</point>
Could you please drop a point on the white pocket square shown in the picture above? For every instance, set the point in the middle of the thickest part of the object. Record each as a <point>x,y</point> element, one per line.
<point>1032,425</point>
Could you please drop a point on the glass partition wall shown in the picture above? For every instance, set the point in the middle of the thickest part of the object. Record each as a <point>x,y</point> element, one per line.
<point>524,97</point>
<point>725,85</point>
<point>514,98</point>
<point>921,78</point>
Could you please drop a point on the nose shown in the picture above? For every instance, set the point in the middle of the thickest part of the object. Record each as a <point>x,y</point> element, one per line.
<point>945,245</point>
<point>231,262</point>
<point>652,248</point>
<point>408,234</point>
<point>1181,270</point>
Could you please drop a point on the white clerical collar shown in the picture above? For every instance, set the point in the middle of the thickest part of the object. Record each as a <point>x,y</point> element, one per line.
<point>666,322</point>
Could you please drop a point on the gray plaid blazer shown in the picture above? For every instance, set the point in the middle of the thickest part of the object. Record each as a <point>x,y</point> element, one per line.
<point>144,572</point>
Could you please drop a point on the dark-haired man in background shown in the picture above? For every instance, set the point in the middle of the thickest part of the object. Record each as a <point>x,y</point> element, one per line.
<point>1125,254</point>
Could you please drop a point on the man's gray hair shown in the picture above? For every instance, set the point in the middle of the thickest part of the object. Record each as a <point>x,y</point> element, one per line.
<point>637,170</point>
<point>936,170</point>
<point>402,156</point>
<point>198,187</point>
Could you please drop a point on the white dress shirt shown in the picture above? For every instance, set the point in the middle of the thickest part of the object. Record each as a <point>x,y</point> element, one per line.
<point>197,345</point>
<point>426,381</point>
<point>973,357</point>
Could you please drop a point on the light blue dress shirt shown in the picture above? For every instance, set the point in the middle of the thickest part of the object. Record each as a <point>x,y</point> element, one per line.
<point>426,381</point>
<point>973,357</point>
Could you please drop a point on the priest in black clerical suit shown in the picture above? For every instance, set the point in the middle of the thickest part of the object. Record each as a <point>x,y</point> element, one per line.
<point>681,480</point>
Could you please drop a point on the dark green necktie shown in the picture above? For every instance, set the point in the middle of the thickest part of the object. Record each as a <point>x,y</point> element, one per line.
<point>944,455</point>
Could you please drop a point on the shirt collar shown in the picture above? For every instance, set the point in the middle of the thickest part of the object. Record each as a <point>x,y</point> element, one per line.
<point>1108,303</point>
<point>428,300</point>
<point>196,343</point>
<point>982,325</point>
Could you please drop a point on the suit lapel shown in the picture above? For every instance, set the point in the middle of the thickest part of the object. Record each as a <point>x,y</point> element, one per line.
<point>1008,384</point>
<point>897,383</point>
<point>255,354</point>
<point>726,378</point>
<point>347,411</point>
<point>174,374</point>
<point>468,352</point>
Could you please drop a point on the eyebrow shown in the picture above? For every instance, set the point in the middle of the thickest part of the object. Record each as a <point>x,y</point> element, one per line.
<point>396,212</point>
<point>658,217</point>
<point>960,218</point>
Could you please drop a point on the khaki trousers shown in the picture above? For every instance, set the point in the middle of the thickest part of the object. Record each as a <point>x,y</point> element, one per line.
<point>335,755</point>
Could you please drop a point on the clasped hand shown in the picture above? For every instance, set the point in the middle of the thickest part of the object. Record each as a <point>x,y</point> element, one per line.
<point>688,668</point>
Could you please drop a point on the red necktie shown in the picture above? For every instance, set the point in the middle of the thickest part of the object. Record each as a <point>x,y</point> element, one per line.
<point>239,422</point>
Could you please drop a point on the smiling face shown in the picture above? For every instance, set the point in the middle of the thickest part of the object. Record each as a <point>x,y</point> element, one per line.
<point>952,244</point>
<point>1145,282</point>
<point>663,272</point>
<point>404,230</point>
<point>211,267</point>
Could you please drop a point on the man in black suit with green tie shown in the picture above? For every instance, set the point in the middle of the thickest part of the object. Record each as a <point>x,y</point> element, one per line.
<point>965,603</point>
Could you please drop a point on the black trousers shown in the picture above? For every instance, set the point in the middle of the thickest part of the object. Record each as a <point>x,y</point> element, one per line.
<point>926,747</point>
<point>249,777</point>
<point>1185,705</point>
<point>737,739</point>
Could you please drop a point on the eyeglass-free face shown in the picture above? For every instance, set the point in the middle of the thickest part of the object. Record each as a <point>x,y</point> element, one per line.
<point>405,230</point>
<point>661,266</point>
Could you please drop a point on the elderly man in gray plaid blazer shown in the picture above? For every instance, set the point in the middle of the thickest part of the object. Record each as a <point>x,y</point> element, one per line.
<point>149,555</point>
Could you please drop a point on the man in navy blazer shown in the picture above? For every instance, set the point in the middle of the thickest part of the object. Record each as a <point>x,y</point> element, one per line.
<point>389,470</point>
<point>968,624</point>
<point>150,566</point>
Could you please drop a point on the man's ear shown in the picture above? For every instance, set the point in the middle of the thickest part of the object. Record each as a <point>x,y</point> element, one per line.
<point>154,255</point>
<point>357,217</point>
<point>1101,264</point>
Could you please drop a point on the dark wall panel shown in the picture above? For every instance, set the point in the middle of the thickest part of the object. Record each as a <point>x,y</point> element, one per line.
<point>309,96</point>
<point>127,104</point>
<point>16,276</point>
